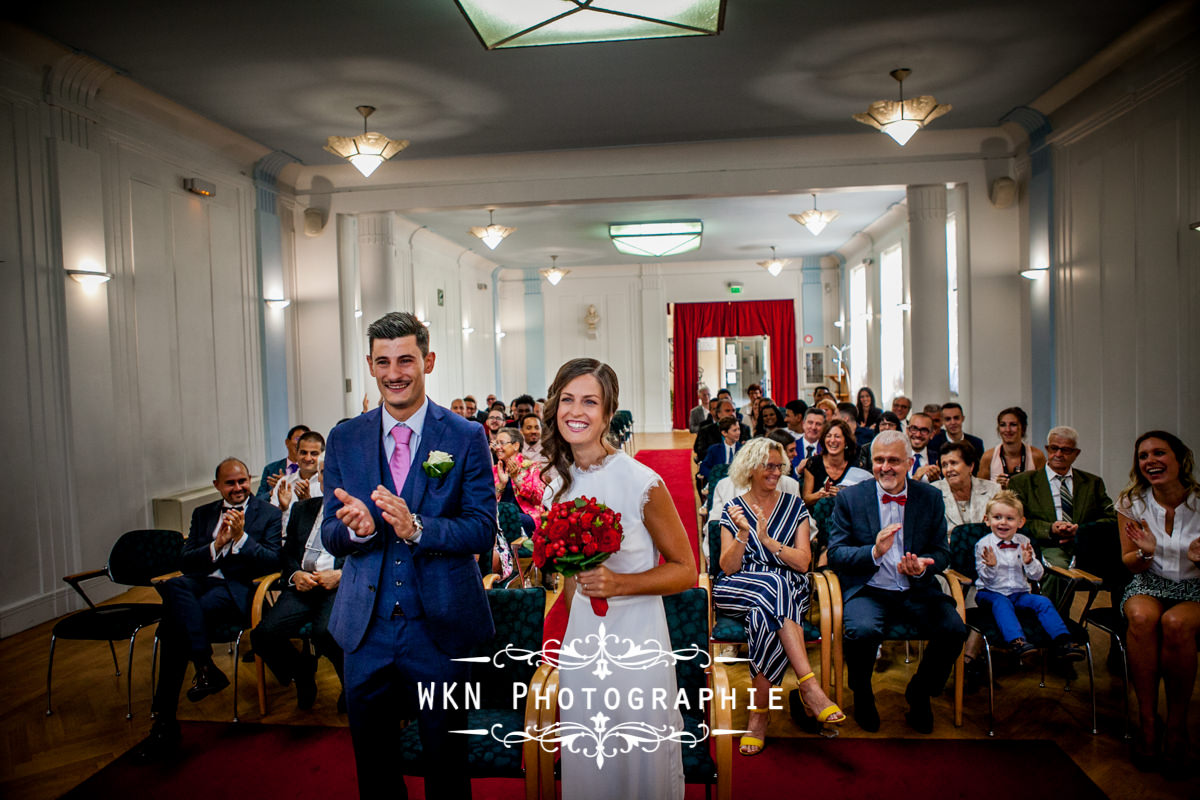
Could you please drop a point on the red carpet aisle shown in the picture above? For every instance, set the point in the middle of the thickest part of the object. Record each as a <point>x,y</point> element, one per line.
<point>298,763</point>
<point>675,467</point>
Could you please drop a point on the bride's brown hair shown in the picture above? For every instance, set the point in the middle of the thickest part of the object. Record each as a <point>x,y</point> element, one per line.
<point>556,450</point>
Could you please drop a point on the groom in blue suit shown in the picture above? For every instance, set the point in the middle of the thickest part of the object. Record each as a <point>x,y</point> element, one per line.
<point>408,503</point>
<point>887,543</point>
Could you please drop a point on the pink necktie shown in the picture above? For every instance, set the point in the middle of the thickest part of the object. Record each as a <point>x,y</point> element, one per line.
<point>400,455</point>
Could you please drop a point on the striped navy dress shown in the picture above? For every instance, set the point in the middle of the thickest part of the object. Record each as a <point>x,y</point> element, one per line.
<point>765,591</point>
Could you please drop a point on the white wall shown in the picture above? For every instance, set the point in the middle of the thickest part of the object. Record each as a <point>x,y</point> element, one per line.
<point>1127,293</point>
<point>137,390</point>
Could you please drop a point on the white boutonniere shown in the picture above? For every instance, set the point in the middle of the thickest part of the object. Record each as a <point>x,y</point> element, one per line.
<point>439,464</point>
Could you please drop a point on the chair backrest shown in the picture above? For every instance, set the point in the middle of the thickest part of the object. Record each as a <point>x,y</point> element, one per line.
<point>519,615</point>
<point>821,513</point>
<point>139,556</point>
<point>509,516</point>
<point>714,548</point>
<point>687,620</point>
<point>715,474</point>
<point>962,547</point>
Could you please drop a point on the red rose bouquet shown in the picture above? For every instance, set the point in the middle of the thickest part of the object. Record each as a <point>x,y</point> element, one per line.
<point>575,536</point>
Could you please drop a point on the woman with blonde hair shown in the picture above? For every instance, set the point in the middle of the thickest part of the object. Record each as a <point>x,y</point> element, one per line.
<point>763,578</point>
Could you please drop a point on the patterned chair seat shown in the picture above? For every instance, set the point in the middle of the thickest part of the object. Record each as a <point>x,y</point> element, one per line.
<point>486,755</point>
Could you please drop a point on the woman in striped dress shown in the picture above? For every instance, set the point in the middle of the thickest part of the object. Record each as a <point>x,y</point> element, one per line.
<point>765,558</point>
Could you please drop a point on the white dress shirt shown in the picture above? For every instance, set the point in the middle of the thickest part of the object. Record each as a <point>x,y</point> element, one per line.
<point>1170,550</point>
<point>417,423</point>
<point>1056,482</point>
<point>923,456</point>
<point>888,575</point>
<point>1011,574</point>
<point>314,490</point>
<point>231,547</point>
<point>803,445</point>
<point>314,552</point>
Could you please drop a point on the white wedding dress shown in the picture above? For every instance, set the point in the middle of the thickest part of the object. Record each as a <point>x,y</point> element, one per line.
<point>651,769</point>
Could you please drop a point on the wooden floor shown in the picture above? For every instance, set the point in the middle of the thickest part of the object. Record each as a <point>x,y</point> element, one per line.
<point>42,757</point>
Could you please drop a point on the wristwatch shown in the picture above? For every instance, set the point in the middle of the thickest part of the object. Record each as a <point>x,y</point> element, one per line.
<point>417,528</point>
<point>1144,555</point>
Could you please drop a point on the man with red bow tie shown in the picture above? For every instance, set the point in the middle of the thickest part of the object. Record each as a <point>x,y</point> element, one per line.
<point>887,544</point>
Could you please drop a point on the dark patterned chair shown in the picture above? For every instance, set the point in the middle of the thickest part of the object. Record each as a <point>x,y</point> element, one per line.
<point>135,559</point>
<point>962,569</point>
<point>821,512</point>
<point>518,615</point>
<point>726,630</point>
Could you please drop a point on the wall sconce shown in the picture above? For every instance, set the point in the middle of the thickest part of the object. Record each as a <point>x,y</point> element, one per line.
<point>468,330</point>
<point>1035,273</point>
<point>200,187</point>
<point>837,323</point>
<point>90,279</point>
<point>358,313</point>
<point>277,302</point>
<point>500,334</point>
<point>904,306</point>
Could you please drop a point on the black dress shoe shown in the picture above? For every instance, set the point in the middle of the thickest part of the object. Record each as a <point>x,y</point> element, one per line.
<point>208,680</point>
<point>306,686</point>
<point>865,713</point>
<point>341,705</point>
<point>162,743</point>
<point>920,713</point>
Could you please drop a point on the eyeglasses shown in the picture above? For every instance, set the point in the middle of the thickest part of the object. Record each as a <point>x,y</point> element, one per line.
<point>1066,451</point>
<point>768,467</point>
<point>919,429</point>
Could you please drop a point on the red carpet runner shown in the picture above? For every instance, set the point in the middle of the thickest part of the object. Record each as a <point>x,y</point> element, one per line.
<point>675,468</point>
<point>303,763</point>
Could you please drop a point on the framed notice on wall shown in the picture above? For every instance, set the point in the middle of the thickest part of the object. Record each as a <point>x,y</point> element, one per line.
<point>814,366</point>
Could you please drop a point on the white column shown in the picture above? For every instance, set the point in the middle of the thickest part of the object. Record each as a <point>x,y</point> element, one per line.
<point>930,356</point>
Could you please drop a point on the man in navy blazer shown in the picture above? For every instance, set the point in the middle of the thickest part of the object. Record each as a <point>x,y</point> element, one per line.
<point>887,544</point>
<point>952,431</point>
<point>277,469</point>
<point>409,502</point>
<point>231,542</point>
<point>723,451</point>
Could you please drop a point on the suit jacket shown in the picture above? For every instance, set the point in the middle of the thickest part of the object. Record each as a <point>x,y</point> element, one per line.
<point>938,442</point>
<point>258,556</point>
<point>458,513</point>
<point>1090,503</point>
<point>855,524</point>
<point>716,455</point>
<point>697,417</point>
<point>264,489</point>
<point>300,522</point>
<point>709,435</point>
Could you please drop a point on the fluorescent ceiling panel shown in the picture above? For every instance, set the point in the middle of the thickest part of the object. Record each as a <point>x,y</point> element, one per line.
<point>656,239</point>
<point>532,23</point>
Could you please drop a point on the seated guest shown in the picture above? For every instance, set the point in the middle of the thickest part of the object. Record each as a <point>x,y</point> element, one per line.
<point>862,435</point>
<point>522,406</point>
<point>457,406</point>
<point>924,465</point>
<point>303,484</point>
<point>821,393</point>
<point>1012,456</point>
<point>764,565</point>
<point>867,412</point>
<point>814,423</point>
<point>1159,514</point>
<point>710,433</point>
<point>828,405</point>
<point>699,415</point>
<point>517,479</point>
<point>749,412</point>
<point>493,423</point>
<point>310,577</point>
<point>901,405</point>
<point>793,417</point>
<point>1058,499</point>
<point>531,433</point>
<point>723,452</point>
<point>769,418</point>
<point>472,410</point>
<point>887,543</point>
<point>231,542</point>
<point>725,394</point>
<point>888,421</point>
<point>1005,563</point>
<point>725,491</point>
<point>965,496</point>
<point>832,467</point>
<point>284,466</point>
<point>934,412</point>
<point>952,430</point>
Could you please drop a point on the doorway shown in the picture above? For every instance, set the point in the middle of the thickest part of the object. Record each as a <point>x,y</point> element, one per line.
<point>734,363</point>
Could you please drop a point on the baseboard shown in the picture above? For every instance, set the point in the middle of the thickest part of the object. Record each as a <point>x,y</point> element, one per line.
<point>33,611</point>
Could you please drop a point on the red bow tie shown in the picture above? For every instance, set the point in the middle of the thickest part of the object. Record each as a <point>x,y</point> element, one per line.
<point>1007,545</point>
<point>895,498</point>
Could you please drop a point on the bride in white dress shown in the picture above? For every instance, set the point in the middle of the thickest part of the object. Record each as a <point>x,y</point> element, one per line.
<point>582,401</point>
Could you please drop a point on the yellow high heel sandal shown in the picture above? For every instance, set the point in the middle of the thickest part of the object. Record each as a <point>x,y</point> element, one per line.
<point>753,741</point>
<point>826,713</point>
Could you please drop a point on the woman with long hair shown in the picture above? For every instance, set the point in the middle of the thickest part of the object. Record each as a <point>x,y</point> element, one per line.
<point>868,410</point>
<point>1159,518</point>
<point>1012,456</point>
<point>579,410</point>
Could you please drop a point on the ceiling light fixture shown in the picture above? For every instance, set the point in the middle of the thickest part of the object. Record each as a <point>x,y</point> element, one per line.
<point>555,273</point>
<point>367,150</point>
<point>773,265</point>
<point>505,23</point>
<point>656,239</point>
<point>901,119</point>
<point>814,219</point>
<point>491,234</point>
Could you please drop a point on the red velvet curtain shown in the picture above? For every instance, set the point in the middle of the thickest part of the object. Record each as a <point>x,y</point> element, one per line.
<point>773,318</point>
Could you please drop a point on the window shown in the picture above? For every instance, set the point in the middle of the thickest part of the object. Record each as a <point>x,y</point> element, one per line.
<point>952,298</point>
<point>891,321</point>
<point>858,327</point>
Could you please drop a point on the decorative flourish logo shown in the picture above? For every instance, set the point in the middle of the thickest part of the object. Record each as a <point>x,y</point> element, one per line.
<point>601,742</point>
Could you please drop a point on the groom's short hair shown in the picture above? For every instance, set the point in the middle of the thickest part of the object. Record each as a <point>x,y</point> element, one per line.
<point>397,325</point>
